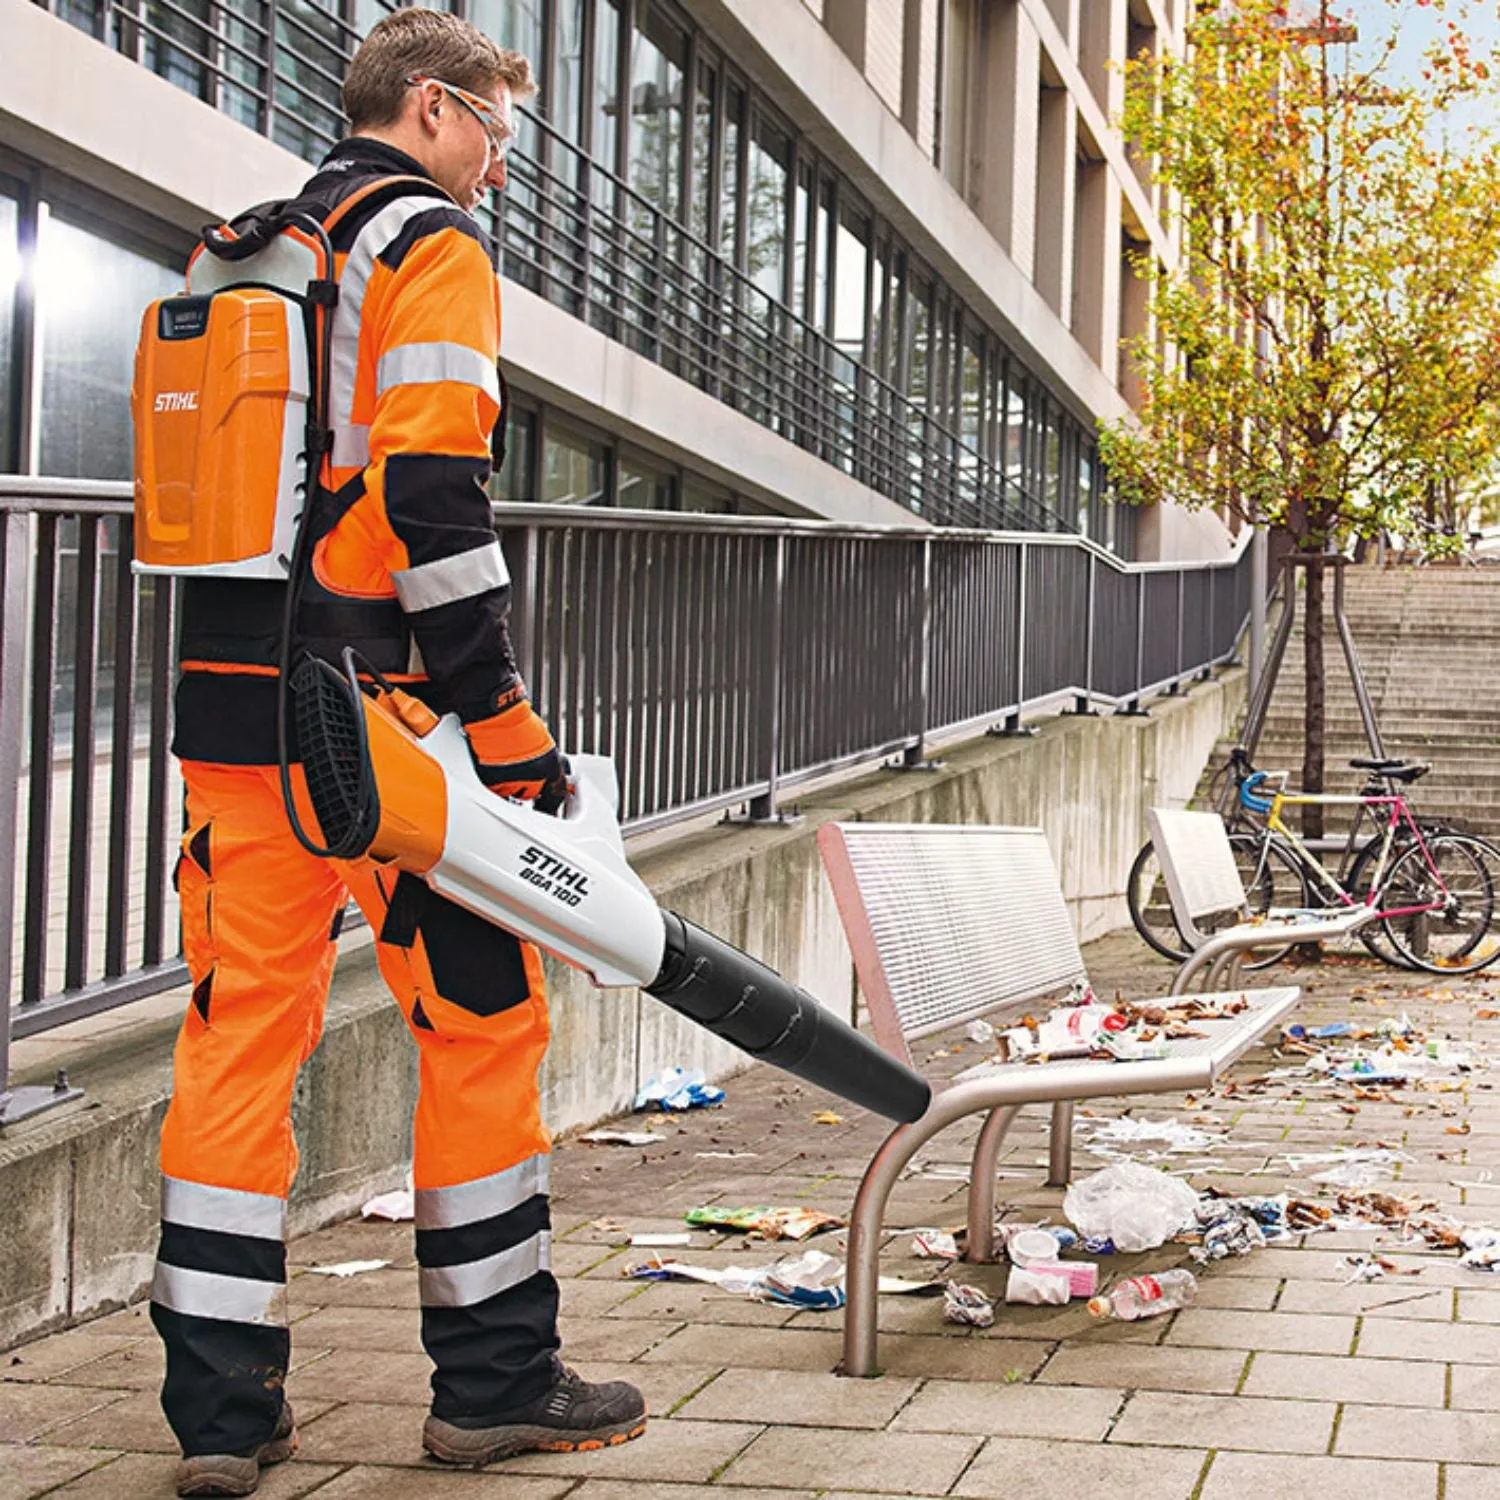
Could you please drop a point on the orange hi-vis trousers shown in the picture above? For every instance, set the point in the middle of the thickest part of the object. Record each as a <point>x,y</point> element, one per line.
<point>260,916</point>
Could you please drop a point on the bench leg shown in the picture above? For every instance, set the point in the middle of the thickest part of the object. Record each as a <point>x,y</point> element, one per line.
<point>1060,1145</point>
<point>862,1289</point>
<point>981,1240</point>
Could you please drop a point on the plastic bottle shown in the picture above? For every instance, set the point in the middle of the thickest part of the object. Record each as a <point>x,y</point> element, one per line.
<point>1147,1296</point>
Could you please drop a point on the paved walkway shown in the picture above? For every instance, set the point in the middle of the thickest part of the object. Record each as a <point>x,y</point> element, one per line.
<point>1285,1380</point>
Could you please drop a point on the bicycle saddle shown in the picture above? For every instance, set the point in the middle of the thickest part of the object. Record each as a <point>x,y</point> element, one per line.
<point>1394,770</point>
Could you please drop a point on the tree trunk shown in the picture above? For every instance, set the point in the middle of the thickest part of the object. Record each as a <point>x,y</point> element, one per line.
<point>1314,678</point>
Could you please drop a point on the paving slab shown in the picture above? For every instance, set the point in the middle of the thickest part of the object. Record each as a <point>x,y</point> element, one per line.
<point>1083,1412</point>
<point>370,1483</point>
<point>29,1471</point>
<point>1271,1476</point>
<point>905,1463</point>
<point>800,1398</point>
<point>141,1476</point>
<point>1065,1471</point>
<point>1260,1424</point>
<point>1147,1368</point>
<point>1375,1382</point>
<point>1452,1436</point>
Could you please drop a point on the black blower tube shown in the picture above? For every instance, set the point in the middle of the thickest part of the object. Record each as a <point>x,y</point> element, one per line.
<point>738,998</point>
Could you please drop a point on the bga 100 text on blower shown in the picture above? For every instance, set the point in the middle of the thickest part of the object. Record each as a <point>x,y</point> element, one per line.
<point>390,779</point>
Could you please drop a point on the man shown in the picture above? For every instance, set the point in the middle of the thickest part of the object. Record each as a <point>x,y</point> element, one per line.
<point>408,570</point>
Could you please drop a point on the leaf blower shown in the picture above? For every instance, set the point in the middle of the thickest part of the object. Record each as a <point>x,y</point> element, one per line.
<point>389,778</point>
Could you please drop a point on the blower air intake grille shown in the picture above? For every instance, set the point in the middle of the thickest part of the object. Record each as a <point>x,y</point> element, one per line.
<point>330,721</point>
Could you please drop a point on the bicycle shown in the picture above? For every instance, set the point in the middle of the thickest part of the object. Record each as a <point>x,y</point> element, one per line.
<point>1435,885</point>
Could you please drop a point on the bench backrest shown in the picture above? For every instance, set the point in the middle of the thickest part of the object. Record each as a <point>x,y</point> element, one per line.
<point>1197,862</point>
<point>948,922</point>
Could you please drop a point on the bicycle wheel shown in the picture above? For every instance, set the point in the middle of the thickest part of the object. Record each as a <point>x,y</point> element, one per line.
<point>1449,896</point>
<point>1373,934</point>
<point>1151,906</point>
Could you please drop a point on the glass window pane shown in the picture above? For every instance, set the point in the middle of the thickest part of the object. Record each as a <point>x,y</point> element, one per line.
<point>699,495</point>
<point>849,293</point>
<point>825,255</point>
<point>645,488</point>
<point>574,469</point>
<point>729,193</point>
<point>656,134</point>
<point>765,251</point>
<point>515,479</point>
<point>1015,425</point>
<point>565,105</point>
<point>606,83</point>
<point>90,293</point>
<point>704,97</point>
<point>10,281</point>
<point>516,24</point>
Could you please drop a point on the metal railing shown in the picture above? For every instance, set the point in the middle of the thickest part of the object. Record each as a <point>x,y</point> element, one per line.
<point>274,65</point>
<point>718,661</point>
<point>594,245</point>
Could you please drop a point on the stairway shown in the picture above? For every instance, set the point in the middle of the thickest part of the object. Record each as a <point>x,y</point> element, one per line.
<point>1427,639</point>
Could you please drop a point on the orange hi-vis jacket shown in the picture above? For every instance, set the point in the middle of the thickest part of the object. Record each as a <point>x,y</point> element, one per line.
<point>407,568</point>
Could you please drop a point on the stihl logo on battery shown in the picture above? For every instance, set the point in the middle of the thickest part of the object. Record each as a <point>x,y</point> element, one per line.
<point>553,876</point>
<point>177,401</point>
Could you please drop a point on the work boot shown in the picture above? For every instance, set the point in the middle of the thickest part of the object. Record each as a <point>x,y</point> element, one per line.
<point>238,1473</point>
<point>572,1415</point>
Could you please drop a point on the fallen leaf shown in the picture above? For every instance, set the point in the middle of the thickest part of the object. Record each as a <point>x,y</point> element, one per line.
<point>827,1117</point>
<point>1457,1129</point>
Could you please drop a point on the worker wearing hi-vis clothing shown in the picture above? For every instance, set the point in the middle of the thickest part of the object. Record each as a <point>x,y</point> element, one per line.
<point>408,570</point>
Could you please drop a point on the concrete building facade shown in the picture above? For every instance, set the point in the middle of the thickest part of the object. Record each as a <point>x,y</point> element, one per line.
<point>852,259</point>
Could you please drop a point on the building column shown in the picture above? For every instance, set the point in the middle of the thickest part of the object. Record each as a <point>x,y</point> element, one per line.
<point>1056,168</point>
<point>1004,187</point>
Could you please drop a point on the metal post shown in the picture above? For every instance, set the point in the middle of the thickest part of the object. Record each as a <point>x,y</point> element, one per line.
<point>914,757</point>
<point>1133,709</point>
<point>763,808</point>
<point>1012,725</point>
<point>1260,586</point>
<point>1083,702</point>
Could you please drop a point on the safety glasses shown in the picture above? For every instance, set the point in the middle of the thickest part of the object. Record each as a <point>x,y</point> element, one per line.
<point>498,127</point>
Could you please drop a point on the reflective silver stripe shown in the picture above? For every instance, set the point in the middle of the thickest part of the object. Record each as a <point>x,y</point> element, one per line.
<point>469,1202</point>
<point>478,1280</point>
<point>231,1299</point>
<point>224,1209</point>
<point>426,364</point>
<point>449,578</point>
<point>371,240</point>
<point>351,447</point>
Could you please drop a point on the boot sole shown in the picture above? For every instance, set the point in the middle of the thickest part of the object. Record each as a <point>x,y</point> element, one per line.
<point>277,1451</point>
<point>475,1449</point>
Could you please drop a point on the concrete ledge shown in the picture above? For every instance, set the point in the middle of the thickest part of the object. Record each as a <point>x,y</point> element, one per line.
<point>80,1185</point>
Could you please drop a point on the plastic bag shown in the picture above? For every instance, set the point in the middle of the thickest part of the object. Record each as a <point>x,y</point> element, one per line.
<point>1136,1206</point>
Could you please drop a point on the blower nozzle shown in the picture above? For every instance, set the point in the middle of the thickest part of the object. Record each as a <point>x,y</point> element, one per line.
<point>738,998</point>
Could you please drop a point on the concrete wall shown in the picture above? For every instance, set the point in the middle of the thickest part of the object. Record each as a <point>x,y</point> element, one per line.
<point>80,1185</point>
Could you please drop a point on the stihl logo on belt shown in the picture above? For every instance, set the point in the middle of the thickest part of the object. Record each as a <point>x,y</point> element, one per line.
<point>177,401</point>
<point>553,876</point>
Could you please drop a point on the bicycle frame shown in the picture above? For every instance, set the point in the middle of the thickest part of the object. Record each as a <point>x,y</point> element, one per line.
<point>1398,813</point>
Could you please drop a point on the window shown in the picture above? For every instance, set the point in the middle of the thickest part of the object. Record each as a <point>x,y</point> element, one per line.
<point>729,190</point>
<point>516,24</point>
<point>515,479</point>
<point>90,292</point>
<point>852,269</point>
<point>606,83</point>
<point>10,284</point>
<point>765,209</point>
<point>643,487</point>
<point>657,56</point>
<point>575,469</point>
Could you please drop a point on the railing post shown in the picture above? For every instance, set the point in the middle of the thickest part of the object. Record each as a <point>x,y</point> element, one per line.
<point>1012,724</point>
<point>914,757</point>
<point>1181,596</point>
<point>763,808</point>
<point>1133,709</point>
<point>1083,702</point>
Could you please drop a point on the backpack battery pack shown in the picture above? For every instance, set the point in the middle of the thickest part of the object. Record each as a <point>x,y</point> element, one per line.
<point>220,406</point>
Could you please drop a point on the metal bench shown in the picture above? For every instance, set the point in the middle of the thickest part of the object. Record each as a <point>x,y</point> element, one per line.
<point>953,923</point>
<point>1203,881</point>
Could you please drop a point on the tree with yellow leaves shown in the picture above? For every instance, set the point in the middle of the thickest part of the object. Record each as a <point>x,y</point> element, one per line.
<point>1326,352</point>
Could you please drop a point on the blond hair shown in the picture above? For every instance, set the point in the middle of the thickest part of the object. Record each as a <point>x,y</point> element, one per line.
<point>415,43</point>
